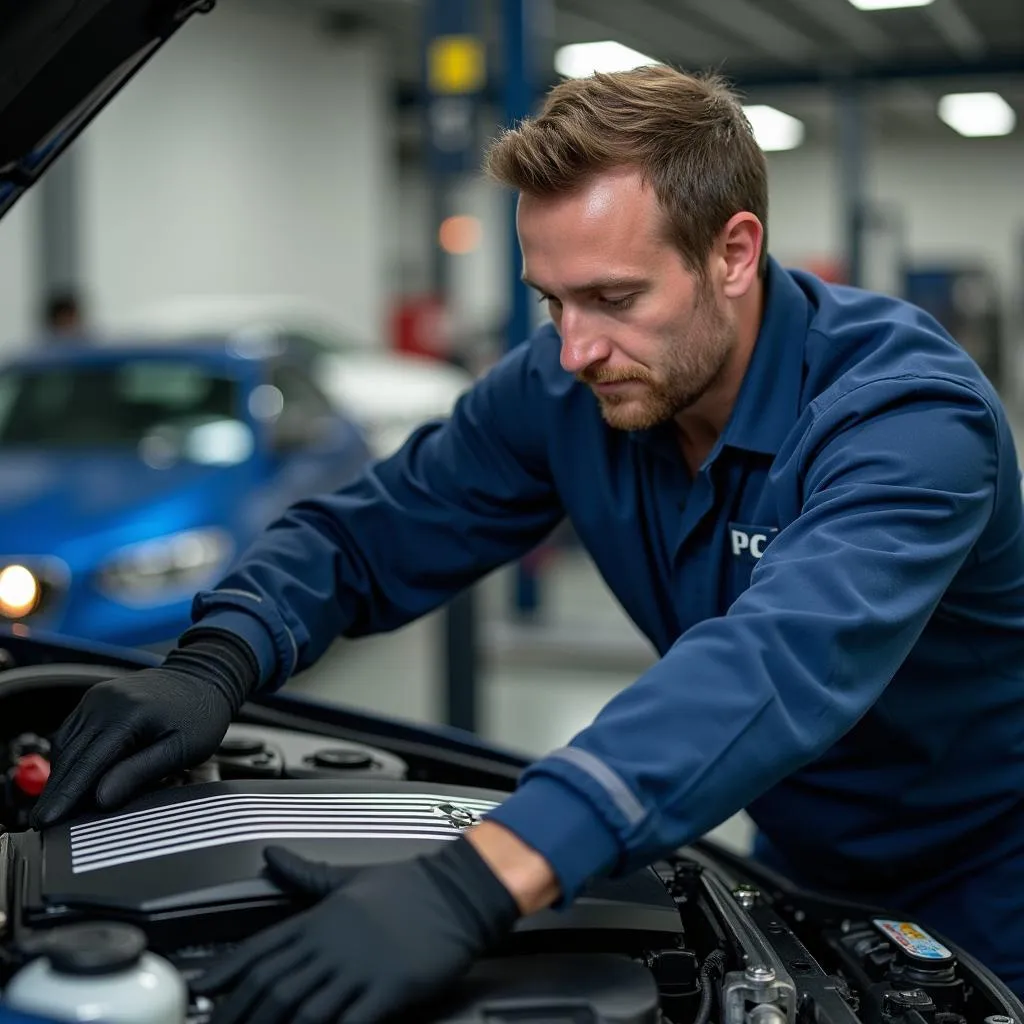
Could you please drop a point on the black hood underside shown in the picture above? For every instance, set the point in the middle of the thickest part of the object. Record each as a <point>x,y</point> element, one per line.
<point>61,62</point>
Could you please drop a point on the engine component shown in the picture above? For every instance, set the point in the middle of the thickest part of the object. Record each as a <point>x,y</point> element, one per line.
<point>565,989</point>
<point>104,967</point>
<point>23,781</point>
<point>764,992</point>
<point>908,971</point>
<point>248,757</point>
<point>676,973</point>
<point>241,746</point>
<point>29,743</point>
<point>258,753</point>
<point>189,861</point>
<point>704,936</point>
<point>31,774</point>
<point>342,759</point>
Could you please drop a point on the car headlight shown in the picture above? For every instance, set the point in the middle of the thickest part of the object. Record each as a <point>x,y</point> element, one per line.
<point>19,592</point>
<point>159,570</point>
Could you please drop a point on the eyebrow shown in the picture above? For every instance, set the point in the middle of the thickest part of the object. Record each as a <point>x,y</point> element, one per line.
<point>598,285</point>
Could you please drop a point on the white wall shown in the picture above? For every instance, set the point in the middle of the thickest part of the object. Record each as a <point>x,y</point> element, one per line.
<point>18,276</point>
<point>804,208</point>
<point>250,156</point>
<point>960,199</point>
<point>410,240</point>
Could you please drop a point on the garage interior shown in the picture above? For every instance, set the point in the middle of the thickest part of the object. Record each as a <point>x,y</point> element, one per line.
<point>297,148</point>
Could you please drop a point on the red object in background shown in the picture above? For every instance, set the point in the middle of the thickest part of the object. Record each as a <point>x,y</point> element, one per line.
<point>831,270</point>
<point>420,327</point>
<point>31,774</point>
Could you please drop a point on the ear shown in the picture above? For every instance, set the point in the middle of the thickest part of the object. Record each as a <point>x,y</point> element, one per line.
<point>739,249</point>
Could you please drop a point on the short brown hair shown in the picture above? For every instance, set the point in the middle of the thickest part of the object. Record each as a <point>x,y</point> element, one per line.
<point>686,133</point>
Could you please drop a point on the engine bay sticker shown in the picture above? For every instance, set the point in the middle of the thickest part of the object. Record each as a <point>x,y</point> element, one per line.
<point>915,941</point>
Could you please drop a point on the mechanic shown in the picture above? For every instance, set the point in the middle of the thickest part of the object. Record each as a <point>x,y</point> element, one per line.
<point>806,495</point>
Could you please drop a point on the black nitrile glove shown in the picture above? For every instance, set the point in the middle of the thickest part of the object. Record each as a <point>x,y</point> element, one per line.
<point>130,732</point>
<point>379,941</point>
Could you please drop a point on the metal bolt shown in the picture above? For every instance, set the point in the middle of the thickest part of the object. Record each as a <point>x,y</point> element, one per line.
<point>759,974</point>
<point>746,896</point>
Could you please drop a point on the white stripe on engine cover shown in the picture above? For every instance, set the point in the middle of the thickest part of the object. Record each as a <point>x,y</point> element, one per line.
<point>236,818</point>
<point>388,803</point>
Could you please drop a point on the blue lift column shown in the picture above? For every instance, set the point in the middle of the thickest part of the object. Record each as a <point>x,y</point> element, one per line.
<point>454,79</point>
<point>522,22</point>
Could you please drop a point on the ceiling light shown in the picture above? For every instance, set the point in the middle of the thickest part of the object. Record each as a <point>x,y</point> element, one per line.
<point>773,129</point>
<point>888,5</point>
<point>977,114</point>
<point>579,60</point>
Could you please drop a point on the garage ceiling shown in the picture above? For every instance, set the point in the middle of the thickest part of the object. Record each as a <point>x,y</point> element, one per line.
<point>795,37</point>
<point>783,52</point>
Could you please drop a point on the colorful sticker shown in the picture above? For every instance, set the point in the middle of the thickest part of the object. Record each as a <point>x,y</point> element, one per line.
<point>919,944</point>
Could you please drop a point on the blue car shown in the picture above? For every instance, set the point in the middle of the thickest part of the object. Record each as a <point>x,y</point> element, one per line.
<point>130,477</point>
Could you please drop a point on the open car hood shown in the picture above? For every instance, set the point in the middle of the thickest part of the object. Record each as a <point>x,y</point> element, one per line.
<point>61,62</point>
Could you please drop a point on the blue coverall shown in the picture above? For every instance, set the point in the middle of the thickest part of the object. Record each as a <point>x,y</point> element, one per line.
<point>837,597</point>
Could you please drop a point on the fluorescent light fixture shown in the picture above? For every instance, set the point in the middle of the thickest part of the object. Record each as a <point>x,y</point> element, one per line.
<point>888,5</point>
<point>579,60</point>
<point>773,129</point>
<point>977,114</point>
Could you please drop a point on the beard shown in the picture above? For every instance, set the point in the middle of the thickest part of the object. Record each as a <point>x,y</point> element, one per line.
<point>694,361</point>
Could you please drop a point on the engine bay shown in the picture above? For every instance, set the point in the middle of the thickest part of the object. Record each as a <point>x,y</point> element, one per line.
<point>705,936</point>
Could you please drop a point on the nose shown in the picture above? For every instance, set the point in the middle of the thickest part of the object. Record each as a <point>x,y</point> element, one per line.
<point>583,344</point>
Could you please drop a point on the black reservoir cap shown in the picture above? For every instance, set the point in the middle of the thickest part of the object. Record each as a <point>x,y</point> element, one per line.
<point>94,949</point>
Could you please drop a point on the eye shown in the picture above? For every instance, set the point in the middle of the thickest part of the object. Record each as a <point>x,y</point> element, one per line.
<point>619,304</point>
<point>549,299</point>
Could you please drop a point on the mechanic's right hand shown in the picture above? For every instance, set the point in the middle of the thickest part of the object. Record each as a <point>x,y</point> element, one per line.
<point>130,732</point>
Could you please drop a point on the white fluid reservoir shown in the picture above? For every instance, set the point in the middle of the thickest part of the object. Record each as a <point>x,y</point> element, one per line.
<point>102,973</point>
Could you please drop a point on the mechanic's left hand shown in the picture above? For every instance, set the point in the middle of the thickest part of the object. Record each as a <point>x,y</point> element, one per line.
<point>378,941</point>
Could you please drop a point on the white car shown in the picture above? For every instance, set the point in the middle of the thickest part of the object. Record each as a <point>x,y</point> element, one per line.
<point>388,393</point>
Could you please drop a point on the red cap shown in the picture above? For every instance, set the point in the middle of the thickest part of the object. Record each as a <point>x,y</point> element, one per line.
<point>31,774</point>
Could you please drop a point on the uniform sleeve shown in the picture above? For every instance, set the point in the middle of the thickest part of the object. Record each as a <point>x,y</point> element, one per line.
<point>461,497</point>
<point>899,481</point>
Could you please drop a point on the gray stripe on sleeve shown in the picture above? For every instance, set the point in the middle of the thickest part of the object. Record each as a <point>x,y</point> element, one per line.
<point>241,593</point>
<point>611,782</point>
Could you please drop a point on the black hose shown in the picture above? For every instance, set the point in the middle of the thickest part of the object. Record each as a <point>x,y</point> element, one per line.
<point>713,965</point>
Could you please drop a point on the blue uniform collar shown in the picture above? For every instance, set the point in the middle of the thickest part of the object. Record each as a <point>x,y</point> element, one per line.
<point>768,403</point>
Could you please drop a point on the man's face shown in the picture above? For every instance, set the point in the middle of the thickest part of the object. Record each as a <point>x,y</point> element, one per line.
<point>646,334</point>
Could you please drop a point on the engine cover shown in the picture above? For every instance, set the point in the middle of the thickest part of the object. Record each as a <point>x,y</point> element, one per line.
<point>189,861</point>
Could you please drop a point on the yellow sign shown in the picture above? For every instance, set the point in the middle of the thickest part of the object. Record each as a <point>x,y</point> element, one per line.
<point>456,64</point>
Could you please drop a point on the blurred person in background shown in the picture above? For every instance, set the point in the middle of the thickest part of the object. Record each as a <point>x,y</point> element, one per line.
<point>64,318</point>
<point>806,495</point>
